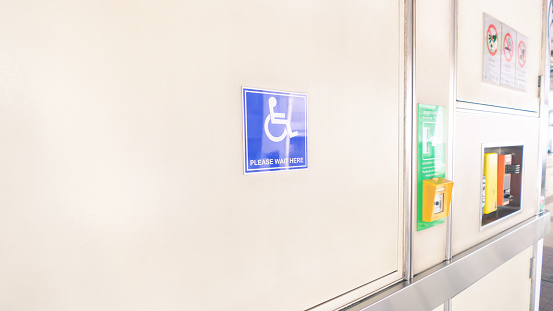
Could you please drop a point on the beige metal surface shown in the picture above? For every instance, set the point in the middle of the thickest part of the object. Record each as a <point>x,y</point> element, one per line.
<point>121,131</point>
<point>432,87</point>
<point>505,289</point>
<point>472,130</point>
<point>525,17</point>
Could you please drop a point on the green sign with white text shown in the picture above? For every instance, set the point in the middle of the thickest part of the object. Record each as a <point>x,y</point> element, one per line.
<point>431,153</point>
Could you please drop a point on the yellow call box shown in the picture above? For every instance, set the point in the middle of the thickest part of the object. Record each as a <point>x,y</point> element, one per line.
<point>490,175</point>
<point>436,198</point>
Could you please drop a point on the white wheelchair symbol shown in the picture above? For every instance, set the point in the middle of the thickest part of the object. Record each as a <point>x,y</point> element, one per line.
<point>277,118</point>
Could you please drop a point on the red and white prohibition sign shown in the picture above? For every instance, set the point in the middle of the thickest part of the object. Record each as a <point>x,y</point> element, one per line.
<point>508,47</point>
<point>521,51</point>
<point>491,39</point>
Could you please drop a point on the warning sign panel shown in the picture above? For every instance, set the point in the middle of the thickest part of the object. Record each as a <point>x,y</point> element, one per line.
<point>491,57</point>
<point>522,43</point>
<point>275,130</point>
<point>508,61</point>
<point>504,55</point>
<point>493,41</point>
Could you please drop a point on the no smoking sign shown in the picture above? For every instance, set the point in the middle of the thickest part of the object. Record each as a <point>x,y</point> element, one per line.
<point>508,67</point>
<point>508,47</point>
<point>521,53</point>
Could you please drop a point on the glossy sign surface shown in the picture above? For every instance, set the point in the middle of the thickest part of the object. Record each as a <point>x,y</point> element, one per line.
<point>431,153</point>
<point>275,130</point>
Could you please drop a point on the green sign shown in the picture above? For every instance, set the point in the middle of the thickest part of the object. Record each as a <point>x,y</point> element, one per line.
<point>431,153</point>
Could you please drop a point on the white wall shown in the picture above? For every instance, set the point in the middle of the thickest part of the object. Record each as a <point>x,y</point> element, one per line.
<point>121,131</point>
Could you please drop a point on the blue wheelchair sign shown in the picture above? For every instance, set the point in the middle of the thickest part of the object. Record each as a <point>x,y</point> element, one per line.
<point>275,130</point>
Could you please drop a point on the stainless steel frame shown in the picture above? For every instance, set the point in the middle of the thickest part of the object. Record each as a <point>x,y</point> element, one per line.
<point>409,160</point>
<point>542,151</point>
<point>544,94</point>
<point>451,118</point>
<point>451,129</point>
<point>437,285</point>
<point>535,289</point>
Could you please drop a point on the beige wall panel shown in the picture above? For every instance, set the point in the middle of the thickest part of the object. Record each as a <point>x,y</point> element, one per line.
<point>429,248</point>
<point>432,52</point>
<point>431,87</point>
<point>122,184</point>
<point>507,288</point>
<point>523,16</point>
<point>472,130</point>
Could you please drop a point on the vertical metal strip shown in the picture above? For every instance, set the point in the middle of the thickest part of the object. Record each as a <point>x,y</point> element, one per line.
<point>451,128</point>
<point>536,278</point>
<point>537,255</point>
<point>409,160</point>
<point>544,94</point>
<point>451,118</point>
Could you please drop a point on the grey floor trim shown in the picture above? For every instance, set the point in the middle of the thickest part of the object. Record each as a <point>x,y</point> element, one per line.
<point>433,287</point>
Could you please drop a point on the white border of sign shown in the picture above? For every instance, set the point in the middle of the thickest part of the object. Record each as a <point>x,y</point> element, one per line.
<point>244,103</point>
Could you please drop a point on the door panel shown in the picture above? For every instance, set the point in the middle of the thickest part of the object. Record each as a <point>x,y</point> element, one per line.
<point>123,185</point>
<point>505,289</point>
<point>472,130</point>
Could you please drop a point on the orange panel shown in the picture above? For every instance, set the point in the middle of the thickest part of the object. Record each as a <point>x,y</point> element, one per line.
<point>500,178</point>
